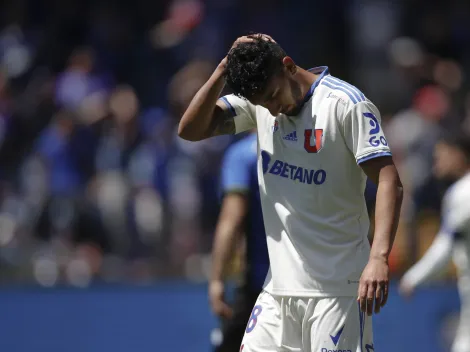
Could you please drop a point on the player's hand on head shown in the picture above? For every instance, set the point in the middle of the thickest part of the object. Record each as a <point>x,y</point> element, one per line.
<point>217,300</point>
<point>246,39</point>
<point>374,286</point>
<point>252,37</point>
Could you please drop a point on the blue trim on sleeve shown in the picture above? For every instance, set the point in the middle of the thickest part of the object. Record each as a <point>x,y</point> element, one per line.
<point>373,156</point>
<point>230,107</point>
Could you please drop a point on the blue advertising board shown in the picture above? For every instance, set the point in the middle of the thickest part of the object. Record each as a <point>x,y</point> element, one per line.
<point>174,316</point>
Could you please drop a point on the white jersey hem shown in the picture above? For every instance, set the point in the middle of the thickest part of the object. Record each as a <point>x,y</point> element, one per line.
<point>310,293</point>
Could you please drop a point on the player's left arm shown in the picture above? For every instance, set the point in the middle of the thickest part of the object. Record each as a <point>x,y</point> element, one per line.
<point>365,138</point>
<point>375,278</point>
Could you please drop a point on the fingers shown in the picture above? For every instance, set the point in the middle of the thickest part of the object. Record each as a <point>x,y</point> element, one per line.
<point>385,293</point>
<point>362,295</point>
<point>262,36</point>
<point>371,287</point>
<point>251,38</point>
<point>378,298</point>
<point>225,311</point>
<point>372,296</point>
<point>221,309</point>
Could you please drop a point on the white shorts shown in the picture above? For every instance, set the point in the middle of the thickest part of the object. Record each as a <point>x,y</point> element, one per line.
<point>322,324</point>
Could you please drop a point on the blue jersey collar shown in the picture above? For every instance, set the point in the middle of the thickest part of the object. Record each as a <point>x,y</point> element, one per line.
<point>320,70</point>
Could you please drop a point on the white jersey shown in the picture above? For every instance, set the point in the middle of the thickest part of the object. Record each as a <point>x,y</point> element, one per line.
<point>312,188</point>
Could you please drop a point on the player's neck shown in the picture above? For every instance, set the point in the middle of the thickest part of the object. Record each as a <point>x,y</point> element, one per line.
<point>305,79</point>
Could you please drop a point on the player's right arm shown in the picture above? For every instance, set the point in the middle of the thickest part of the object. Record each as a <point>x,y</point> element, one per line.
<point>206,116</point>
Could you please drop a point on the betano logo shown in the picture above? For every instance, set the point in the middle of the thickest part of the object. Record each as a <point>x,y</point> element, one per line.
<point>293,172</point>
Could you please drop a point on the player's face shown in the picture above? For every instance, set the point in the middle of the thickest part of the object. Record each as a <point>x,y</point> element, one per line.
<point>448,161</point>
<point>282,96</point>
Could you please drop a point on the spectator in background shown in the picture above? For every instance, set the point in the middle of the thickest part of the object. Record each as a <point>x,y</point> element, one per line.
<point>79,80</point>
<point>126,163</point>
<point>66,149</point>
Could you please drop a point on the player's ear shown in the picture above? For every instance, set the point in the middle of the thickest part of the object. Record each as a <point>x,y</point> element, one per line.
<point>290,65</point>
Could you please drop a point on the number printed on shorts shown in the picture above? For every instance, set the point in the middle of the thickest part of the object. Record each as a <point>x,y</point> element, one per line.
<point>253,318</point>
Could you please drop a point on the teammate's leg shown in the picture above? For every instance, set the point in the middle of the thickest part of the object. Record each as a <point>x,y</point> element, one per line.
<point>233,329</point>
<point>336,323</point>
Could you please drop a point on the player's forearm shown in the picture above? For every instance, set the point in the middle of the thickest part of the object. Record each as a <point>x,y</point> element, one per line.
<point>224,244</point>
<point>387,213</point>
<point>197,119</point>
<point>435,260</point>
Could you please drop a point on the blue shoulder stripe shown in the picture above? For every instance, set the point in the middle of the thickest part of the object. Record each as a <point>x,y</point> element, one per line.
<point>348,93</point>
<point>350,88</point>
<point>230,107</point>
<point>357,90</point>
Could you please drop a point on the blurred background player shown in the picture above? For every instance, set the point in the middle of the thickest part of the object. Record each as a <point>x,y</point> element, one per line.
<point>452,162</point>
<point>240,214</point>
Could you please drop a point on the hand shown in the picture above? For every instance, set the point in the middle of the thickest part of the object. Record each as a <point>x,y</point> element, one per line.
<point>246,39</point>
<point>406,290</point>
<point>217,301</point>
<point>373,285</point>
<point>252,37</point>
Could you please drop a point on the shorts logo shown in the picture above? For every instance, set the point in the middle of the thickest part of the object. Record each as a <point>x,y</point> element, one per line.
<point>317,141</point>
<point>327,350</point>
<point>336,337</point>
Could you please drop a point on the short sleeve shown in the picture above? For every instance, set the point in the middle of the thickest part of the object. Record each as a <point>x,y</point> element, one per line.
<point>235,171</point>
<point>363,132</point>
<point>455,214</point>
<point>243,112</point>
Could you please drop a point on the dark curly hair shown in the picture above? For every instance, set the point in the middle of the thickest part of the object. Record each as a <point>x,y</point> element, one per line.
<point>250,65</point>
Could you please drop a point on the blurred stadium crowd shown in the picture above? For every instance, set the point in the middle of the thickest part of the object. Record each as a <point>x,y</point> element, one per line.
<point>94,182</point>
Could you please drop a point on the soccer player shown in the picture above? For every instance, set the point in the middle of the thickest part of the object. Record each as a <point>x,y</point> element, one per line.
<point>240,214</point>
<point>319,139</point>
<point>451,161</point>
